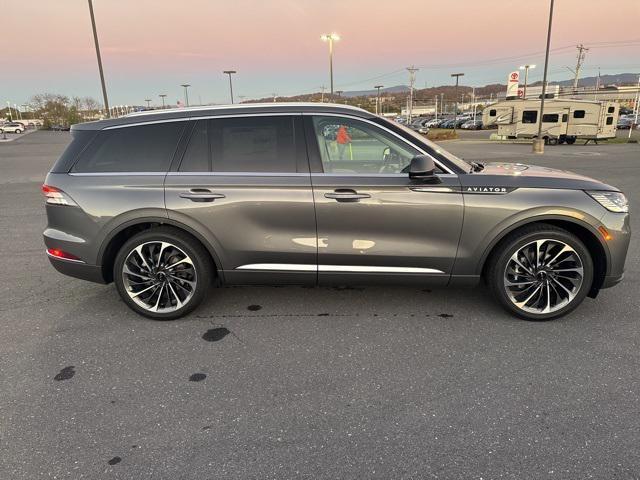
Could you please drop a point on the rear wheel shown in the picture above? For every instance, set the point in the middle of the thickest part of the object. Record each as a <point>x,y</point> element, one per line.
<point>571,140</point>
<point>540,272</point>
<point>553,141</point>
<point>162,273</point>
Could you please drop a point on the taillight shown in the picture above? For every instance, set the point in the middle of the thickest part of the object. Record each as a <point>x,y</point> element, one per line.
<point>55,252</point>
<point>55,196</point>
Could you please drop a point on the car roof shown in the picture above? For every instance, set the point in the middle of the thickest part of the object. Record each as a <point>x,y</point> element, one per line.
<point>152,116</point>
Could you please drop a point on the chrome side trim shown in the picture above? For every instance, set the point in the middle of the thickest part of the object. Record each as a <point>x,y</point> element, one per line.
<point>404,140</point>
<point>435,189</point>
<point>375,269</point>
<point>306,267</point>
<point>289,267</point>
<point>236,174</point>
<point>117,174</point>
<point>207,117</point>
<point>149,122</point>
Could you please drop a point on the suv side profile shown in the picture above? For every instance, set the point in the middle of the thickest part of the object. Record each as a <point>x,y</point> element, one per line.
<point>166,203</point>
<point>12,127</point>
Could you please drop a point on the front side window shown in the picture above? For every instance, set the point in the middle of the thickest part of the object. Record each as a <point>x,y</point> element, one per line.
<point>141,148</point>
<point>253,144</point>
<point>353,146</point>
<point>530,116</point>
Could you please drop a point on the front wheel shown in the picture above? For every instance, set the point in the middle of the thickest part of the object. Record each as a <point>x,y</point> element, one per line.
<point>540,272</point>
<point>162,273</point>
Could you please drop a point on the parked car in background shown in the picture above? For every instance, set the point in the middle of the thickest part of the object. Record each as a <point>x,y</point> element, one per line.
<point>59,128</point>
<point>472,125</point>
<point>169,202</point>
<point>419,125</point>
<point>12,127</point>
<point>433,123</point>
<point>624,124</point>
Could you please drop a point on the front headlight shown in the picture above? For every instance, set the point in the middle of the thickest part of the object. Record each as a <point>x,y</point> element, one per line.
<point>612,201</point>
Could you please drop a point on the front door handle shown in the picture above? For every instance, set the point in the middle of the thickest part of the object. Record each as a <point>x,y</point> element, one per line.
<point>200,195</point>
<point>346,195</point>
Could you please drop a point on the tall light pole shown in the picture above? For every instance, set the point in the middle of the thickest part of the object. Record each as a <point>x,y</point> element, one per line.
<point>10,115</point>
<point>95,40</point>
<point>330,37</point>
<point>230,72</point>
<point>412,78</point>
<point>378,87</point>
<point>538,143</point>
<point>455,112</point>
<point>526,78</point>
<point>148,100</point>
<point>162,96</point>
<point>186,93</point>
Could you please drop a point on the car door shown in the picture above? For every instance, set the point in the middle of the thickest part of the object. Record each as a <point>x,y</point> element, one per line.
<point>244,183</point>
<point>374,222</point>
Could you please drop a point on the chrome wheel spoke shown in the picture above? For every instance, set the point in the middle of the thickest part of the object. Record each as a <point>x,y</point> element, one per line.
<point>159,276</point>
<point>543,276</point>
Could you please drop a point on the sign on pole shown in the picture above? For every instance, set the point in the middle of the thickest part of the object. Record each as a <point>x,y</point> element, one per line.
<point>512,84</point>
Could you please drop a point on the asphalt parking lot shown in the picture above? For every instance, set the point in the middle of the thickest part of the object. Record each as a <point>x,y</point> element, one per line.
<point>264,382</point>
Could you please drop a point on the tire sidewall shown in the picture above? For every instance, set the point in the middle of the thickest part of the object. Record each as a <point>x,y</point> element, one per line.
<point>195,251</point>
<point>512,245</point>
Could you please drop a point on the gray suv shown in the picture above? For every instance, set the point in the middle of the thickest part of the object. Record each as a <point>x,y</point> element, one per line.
<point>167,203</point>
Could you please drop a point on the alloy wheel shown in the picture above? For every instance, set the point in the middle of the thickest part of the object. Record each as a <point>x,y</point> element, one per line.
<point>543,276</point>
<point>159,276</point>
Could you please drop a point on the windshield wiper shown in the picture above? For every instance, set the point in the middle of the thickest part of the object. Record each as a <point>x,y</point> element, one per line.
<point>477,166</point>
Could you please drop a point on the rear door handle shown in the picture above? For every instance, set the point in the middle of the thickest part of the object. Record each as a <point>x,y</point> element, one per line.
<point>346,195</point>
<point>200,195</point>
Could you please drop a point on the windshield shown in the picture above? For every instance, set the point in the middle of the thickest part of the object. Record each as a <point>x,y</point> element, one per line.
<point>438,149</point>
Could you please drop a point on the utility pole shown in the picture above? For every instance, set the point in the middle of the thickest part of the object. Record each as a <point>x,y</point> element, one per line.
<point>455,112</point>
<point>582,51</point>
<point>538,142</point>
<point>637,99</point>
<point>436,109</point>
<point>473,101</point>
<point>595,95</point>
<point>378,87</point>
<point>275,97</point>
<point>186,93</point>
<point>148,100</point>
<point>526,79</point>
<point>322,89</point>
<point>162,96</point>
<point>412,79</point>
<point>330,37</point>
<point>230,72</point>
<point>10,115</point>
<point>95,40</point>
<point>442,104</point>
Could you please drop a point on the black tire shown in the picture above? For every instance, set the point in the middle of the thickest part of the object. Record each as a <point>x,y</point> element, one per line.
<point>553,141</point>
<point>571,140</point>
<point>18,131</point>
<point>200,259</point>
<point>502,253</point>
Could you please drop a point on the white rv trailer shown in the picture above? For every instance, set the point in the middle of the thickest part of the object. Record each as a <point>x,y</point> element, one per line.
<point>562,121</point>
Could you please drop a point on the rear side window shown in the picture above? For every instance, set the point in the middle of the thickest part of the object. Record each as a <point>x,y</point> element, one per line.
<point>143,148</point>
<point>253,144</point>
<point>530,116</point>
<point>578,114</point>
<point>550,118</point>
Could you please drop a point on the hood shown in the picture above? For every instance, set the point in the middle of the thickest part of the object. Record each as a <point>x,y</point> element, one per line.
<point>519,175</point>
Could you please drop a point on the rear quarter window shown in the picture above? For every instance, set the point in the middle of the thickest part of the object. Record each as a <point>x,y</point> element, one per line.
<point>80,140</point>
<point>142,148</point>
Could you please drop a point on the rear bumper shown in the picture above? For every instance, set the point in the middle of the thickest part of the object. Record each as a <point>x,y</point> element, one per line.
<point>92,273</point>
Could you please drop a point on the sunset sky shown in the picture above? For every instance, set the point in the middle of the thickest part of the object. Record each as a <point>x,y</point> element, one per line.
<point>152,46</point>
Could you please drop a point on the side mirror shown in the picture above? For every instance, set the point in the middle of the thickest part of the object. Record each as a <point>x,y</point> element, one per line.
<point>423,168</point>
